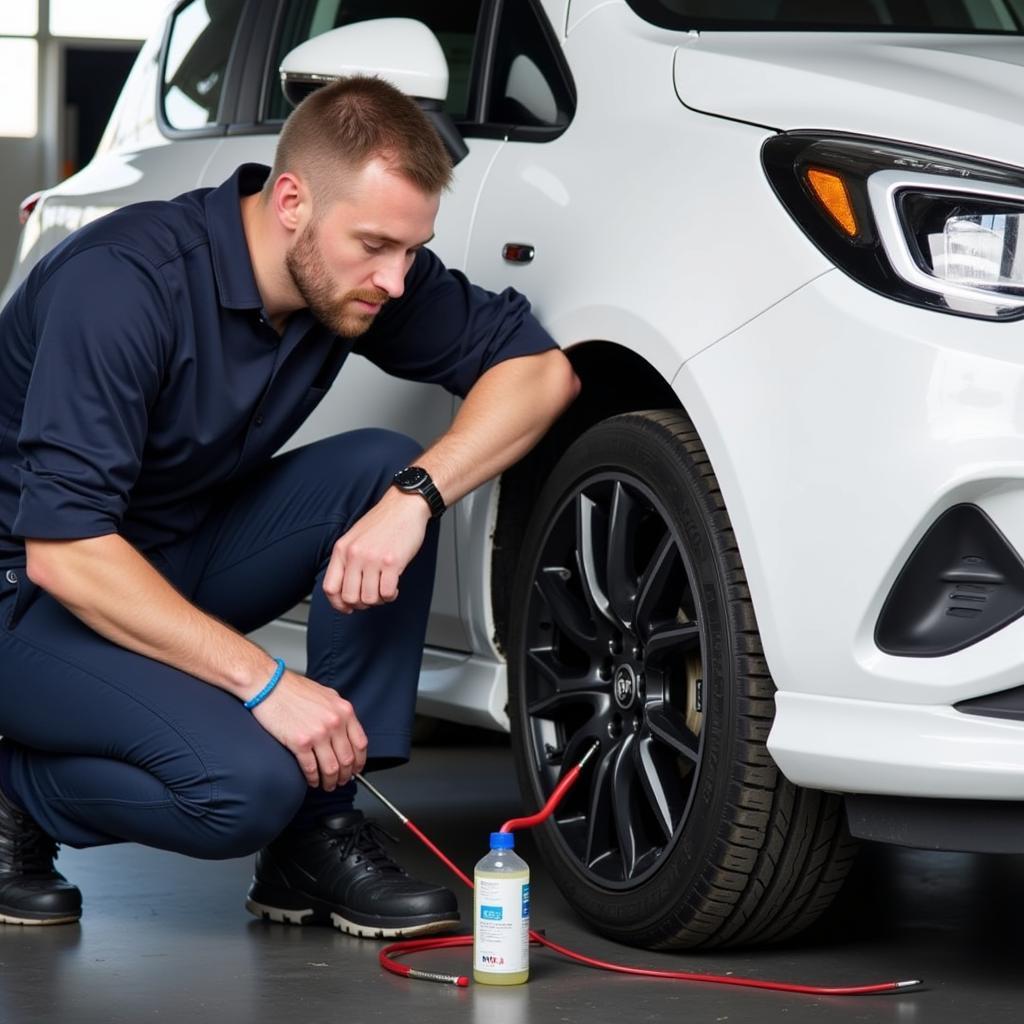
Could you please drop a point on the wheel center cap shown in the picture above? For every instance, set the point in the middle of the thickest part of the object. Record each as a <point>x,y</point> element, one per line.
<point>625,686</point>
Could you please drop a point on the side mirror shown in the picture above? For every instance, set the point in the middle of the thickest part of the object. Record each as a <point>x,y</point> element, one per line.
<point>401,51</point>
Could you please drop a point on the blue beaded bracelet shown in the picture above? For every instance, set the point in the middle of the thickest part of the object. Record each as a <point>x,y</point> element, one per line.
<point>265,692</point>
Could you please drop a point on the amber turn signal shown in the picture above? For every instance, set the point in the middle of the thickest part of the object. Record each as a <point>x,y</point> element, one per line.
<point>830,190</point>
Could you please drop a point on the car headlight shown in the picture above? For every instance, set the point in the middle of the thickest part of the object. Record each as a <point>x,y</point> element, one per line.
<point>932,229</point>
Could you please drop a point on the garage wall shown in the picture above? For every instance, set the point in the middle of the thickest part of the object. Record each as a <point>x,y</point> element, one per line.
<point>22,163</point>
<point>104,32</point>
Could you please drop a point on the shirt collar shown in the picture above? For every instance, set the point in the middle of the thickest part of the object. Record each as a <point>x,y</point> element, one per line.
<point>232,264</point>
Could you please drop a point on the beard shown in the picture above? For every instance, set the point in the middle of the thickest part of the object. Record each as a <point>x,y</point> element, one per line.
<point>308,271</point>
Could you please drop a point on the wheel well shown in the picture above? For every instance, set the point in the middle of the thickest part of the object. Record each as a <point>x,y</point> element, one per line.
<point>615,380</point>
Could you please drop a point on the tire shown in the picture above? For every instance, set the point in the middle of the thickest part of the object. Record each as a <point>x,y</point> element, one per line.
<point>631,625</point>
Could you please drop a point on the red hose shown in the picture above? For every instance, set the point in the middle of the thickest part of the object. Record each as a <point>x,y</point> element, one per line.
<point>548,809</point>
<point>449,941</point>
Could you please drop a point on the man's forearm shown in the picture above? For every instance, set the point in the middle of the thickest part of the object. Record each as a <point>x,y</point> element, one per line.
<point>115,591</point>
<point>506,413</point>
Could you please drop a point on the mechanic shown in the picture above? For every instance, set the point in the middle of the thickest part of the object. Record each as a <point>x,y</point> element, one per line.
<point>154,363</point>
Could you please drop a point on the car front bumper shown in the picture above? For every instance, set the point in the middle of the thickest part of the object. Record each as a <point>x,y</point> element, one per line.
<point>841,424</point>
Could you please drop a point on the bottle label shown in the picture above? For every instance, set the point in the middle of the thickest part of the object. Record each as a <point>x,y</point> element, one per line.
<point>502,943</point>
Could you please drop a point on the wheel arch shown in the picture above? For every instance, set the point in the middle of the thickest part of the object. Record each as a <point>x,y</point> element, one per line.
<point>615,380</point>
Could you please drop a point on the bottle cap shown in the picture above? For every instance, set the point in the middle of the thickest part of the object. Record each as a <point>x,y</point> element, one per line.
<point>502,841</point>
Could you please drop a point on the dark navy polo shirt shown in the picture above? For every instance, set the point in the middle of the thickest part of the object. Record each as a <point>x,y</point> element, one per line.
<point>139,373</point>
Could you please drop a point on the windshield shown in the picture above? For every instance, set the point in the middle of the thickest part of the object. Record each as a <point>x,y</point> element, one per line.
<point>991,17</point>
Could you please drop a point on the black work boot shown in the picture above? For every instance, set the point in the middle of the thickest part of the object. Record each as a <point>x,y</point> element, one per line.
<point>338,873</point>
<point>31,891</point>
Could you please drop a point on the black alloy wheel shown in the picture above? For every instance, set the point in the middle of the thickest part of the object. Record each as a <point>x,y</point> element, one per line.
<point>632,629</point>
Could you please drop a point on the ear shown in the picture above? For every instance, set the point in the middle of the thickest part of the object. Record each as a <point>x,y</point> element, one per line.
<point>292,202</point>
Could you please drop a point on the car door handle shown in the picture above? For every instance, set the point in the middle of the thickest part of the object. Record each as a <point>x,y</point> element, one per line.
<point>517,252</point>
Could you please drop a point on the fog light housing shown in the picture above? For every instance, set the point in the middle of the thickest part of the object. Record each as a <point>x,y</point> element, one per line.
<point>962,583</point>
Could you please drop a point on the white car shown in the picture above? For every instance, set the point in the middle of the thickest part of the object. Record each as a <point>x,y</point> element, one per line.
<point>770,558</point>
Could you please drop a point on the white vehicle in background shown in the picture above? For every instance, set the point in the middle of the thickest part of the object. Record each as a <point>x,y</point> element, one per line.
<point>771,557</point>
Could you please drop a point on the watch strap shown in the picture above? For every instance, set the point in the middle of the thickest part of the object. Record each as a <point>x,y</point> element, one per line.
<point>429,491</point>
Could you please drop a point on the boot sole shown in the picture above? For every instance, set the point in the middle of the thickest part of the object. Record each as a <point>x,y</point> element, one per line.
<point>308,911</point>
<point>8,918</point>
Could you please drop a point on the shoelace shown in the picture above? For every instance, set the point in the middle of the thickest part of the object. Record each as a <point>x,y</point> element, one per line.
<point>367,839</point>
<point>29,851</point>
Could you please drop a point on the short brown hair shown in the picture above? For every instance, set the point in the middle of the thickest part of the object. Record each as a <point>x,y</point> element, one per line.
<point>342,126</point>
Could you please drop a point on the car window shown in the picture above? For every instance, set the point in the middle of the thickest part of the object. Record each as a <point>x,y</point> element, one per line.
<point>134,115</point>
<point>528,86</point>
<point>453,22</point>
<point>987,16</point>
<point>195,61</point>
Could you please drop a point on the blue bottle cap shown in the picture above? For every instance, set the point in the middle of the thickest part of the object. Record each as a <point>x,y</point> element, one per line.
<point>502,841</point>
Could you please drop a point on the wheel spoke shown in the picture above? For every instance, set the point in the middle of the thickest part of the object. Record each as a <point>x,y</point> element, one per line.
<point>655,578</point>
<point>562,689</point>
<point>653,786</point>
<point>569,614</point>
<point>598,809</point>
<point>623,775</point>
<point>667,726</point>
<point>670,637</point>
<point>621,571</point>
<point>591,542</point>
<point>553,672</point>
<point>553,705</point>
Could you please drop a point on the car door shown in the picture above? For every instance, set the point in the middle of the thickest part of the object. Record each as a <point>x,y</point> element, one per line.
<point>363,395</point>
<point>518,234</point>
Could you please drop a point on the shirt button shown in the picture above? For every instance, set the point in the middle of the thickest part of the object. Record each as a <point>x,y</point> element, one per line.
<point>259,421</point>
<point>11,576</point>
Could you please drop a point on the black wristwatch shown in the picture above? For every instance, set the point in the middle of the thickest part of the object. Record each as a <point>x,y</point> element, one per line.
<point>416,480</point>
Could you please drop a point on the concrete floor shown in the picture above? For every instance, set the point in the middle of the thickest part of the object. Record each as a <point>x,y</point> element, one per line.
<point>167,938</point>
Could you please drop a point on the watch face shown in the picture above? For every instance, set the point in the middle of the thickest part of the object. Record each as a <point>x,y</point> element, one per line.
<point>411,476</point>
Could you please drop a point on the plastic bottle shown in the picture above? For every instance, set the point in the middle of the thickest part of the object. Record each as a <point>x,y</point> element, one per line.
<point>501,915</point>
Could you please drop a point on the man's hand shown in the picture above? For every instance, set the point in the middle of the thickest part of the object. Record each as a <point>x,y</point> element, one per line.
<point>115,591</point>
<point>370,557</point>
<point>318,727</point>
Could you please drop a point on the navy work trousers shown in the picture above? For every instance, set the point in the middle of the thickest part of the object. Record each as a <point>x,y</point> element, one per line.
<point>104,745</point>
